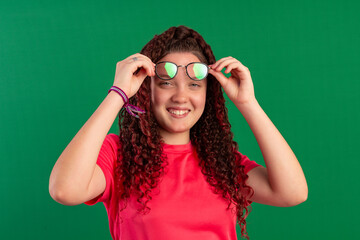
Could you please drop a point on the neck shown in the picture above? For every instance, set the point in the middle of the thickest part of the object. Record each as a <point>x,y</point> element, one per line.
<point>175,138</point>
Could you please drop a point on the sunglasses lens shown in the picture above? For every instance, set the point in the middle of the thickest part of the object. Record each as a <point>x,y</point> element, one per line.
<point>197,71</point>
<point>166,70</point>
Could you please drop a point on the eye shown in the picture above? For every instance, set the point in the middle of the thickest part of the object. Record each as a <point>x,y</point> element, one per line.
<point>195,85</point>
<point>164,83</point>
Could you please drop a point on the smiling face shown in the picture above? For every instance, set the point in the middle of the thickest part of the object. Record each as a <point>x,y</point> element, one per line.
<point>178,103</point>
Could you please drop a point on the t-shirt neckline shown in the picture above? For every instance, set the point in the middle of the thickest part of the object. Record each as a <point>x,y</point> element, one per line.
<point>181,148</point>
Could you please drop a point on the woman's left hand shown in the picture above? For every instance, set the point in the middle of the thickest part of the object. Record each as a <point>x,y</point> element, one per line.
<point>239,86</point>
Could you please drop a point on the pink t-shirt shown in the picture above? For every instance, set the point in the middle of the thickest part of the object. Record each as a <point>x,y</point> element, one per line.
<point>185,208</point>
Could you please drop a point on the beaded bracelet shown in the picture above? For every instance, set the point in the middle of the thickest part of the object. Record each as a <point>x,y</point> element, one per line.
<point>129,107</point>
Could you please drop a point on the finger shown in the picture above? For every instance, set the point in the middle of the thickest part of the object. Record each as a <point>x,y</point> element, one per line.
<point>243,67</point>
<point>219,76</point>
<point>213,66</point>
<point>141,56</point>
<point>132,57</point>
<point>231,66</point>
<point>225,63</point>
<point>141,75</point>
<point>150,69</point>
<point>146,58</point>
<point>142,63</point>
<point>221,61</point>
<point>138,56</point>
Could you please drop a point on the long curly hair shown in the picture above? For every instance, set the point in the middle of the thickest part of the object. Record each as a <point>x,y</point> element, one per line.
<point>141,163</point>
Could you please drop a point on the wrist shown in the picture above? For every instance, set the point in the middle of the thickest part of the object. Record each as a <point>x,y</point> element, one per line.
<point>248,106</point>
<point>131,109</point>
<point>116,99</point>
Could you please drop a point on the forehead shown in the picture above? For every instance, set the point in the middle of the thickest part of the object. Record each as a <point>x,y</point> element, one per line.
<point>180,58</point>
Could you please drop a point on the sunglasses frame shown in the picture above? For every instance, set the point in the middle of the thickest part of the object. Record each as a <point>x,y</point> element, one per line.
<point>186,70</point>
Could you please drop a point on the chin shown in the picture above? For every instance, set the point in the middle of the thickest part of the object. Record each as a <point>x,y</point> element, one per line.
<point>179,130</point>
<point>176,130</point>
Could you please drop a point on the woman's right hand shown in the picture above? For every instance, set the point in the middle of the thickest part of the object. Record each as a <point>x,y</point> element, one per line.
<point>125,69</point>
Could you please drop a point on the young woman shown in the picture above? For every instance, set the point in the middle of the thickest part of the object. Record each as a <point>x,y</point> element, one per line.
<point>174,171</point>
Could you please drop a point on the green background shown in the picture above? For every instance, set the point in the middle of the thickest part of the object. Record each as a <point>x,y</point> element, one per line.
<point>57,61</point>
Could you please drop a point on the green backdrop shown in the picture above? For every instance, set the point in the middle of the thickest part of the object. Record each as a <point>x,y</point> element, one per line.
<point>57,61</point>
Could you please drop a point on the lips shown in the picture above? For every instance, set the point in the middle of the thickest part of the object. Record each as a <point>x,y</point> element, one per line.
<point>178,112</point>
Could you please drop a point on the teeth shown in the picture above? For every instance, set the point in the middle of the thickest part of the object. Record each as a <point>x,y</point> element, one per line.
<point>178,112</point>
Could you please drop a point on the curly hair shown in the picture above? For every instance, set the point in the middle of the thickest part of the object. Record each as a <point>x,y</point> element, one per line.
<point>141,163</point>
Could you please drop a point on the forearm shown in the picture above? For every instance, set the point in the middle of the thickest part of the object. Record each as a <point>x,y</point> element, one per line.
<point>74,168</point>
<point>285,174</point>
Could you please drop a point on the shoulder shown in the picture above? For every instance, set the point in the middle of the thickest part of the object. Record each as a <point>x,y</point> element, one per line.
<point>109,148</point>
<point>113,137</point>
<point>112,140</point>
<point>246,162</point>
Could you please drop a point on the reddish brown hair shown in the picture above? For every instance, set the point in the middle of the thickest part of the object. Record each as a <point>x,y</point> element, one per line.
<point>140,165</point>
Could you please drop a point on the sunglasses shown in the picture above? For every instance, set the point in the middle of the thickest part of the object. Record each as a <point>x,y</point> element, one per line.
<point>195,70</point>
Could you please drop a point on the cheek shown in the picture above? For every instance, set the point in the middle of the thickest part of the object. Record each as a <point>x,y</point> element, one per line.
<point>152,87</point>
<point>154,94</point>
<point>157,97</point>
<point>201,100</point>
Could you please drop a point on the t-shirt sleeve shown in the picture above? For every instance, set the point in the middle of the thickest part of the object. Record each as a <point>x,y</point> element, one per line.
<point>106,161</point>
<point>249,164</point>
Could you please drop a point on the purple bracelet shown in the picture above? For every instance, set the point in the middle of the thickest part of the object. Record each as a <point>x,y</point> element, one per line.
<point>129,107</point>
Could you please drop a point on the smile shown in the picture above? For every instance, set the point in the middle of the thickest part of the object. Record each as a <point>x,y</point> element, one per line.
<point>179,113</point>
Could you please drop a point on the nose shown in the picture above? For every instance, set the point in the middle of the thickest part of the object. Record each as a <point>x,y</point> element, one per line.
<point>180,94</point>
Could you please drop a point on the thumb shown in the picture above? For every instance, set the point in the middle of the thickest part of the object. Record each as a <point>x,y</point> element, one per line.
<point>141,74</point>
<point>219,76</point>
